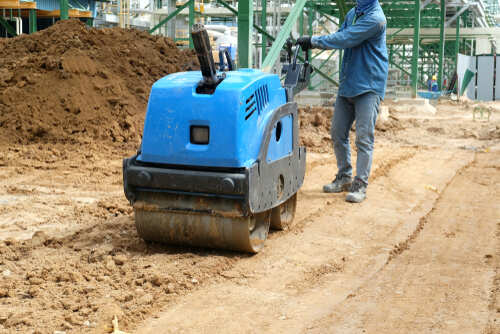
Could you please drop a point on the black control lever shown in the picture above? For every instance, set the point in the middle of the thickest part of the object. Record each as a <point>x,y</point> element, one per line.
<point>289,44</point>
<point>230,63</point>
<point>297,75</point>
<point>207,65</point>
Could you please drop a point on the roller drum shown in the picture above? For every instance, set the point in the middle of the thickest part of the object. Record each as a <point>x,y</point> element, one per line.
<point>199,221</point>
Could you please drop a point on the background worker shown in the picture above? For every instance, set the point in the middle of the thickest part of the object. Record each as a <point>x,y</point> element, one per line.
<point>362,87</point>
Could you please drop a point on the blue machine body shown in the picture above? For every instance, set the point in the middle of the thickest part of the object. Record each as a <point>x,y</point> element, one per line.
<point>236,114</point>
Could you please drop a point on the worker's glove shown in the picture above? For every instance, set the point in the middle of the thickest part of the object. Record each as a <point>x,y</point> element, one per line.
<point>304,42</point>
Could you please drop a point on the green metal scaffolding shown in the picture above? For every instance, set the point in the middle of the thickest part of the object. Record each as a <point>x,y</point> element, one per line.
<point>417,57</point>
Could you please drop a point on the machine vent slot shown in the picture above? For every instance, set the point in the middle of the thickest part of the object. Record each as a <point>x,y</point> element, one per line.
<point>257,101</point>
<point>250,99</point>
<point>250,114</point>
<point>250,106</point>
<point>262,97</point>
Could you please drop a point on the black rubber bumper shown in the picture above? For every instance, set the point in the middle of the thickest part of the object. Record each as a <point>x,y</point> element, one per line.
<point>137,176</point>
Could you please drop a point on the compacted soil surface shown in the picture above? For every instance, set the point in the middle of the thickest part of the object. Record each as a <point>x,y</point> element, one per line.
<point>420,255</point>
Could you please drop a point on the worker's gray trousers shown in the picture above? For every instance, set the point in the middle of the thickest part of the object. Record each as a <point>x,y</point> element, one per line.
<point>363,109</point>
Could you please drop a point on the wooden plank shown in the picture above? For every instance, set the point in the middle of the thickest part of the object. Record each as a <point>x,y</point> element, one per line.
<point>9,3</point>
<point>16,4</point>
<point>72,13</point>
<point>85,14</point>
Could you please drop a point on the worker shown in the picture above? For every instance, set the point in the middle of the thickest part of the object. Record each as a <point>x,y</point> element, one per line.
<point>429,84</point>
<point>434,84</point>
<point>363,79</point>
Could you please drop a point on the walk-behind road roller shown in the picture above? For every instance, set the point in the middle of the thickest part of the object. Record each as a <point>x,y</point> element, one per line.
<point>220,161</point>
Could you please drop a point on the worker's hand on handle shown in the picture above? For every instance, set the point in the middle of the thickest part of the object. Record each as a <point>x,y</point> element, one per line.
<point>304,42</point>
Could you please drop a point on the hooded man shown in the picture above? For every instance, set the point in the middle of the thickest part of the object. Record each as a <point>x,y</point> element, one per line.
<point>362,87</point>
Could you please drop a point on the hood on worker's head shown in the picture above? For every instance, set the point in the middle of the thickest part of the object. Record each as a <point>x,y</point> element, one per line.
<point>363,5</point>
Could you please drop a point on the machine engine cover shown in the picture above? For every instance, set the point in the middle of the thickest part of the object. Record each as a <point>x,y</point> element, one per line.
<point>234,118</point>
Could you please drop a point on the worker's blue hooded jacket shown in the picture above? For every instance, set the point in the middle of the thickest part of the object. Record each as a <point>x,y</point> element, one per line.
<point>362,36</point>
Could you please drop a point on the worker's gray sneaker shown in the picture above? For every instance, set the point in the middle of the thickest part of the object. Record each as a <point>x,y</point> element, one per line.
<point>357,192</point>
<point>338,185</point>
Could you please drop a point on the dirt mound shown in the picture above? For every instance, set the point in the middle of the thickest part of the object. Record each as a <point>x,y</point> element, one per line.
<point>315,124</point>
<point>75,84</point>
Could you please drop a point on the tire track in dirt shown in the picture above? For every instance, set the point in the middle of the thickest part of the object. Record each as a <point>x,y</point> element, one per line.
<point>447,281</point>
<point>314,275</point>
<point>405,244</point>
<point>381,170</point>
<point>493,326</point>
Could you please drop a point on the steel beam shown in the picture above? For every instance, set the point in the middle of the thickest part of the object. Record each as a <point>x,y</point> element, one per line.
<point>245,24</point>
<point>191,22</point>
<point>11,31</point>
<point>323,63</point>
<point>301,24</point>
<point>32,21</point>
<point>415,51</point>
<point>457,15</point>
<point>324,75</point>
<point>342,9</point>
<point>169,17</point>
<point>310,18</point>
<point>235,12</point>
<point>426,2</point>
<point>274,52</point>
<point>63,9</point>
<point>441,44</point>
<point>434,33</point>
<point>457,42</point>
<point>317,54</point>
<point>263,24</point>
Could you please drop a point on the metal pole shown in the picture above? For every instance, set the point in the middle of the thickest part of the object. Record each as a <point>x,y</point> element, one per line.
<point>170,16</point>
<point>32,21</point>
<point>421,71</point>
<point>63,9</point>
<point>457,42</point>
<point>171,24</point>
<point>282,36</point>
<point>310,18</point>
<point>245,23</point>
<point>301,24</point>
<point>191,22</point>
<point>263,23</point>
<point>415,51</point>
<point>441,44</point>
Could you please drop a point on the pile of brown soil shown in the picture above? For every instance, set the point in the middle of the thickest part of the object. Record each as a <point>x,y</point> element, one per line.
<point>75,84</point>
<point>315,124</point>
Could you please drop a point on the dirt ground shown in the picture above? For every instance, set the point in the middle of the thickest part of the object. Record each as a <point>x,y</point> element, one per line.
<point>420,255</point>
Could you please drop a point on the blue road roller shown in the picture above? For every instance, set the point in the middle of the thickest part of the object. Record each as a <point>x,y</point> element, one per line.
<point>220,162</point>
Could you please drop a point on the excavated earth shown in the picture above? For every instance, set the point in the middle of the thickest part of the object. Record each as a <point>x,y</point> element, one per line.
<point>72,84</point>
<point>420,255</point>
